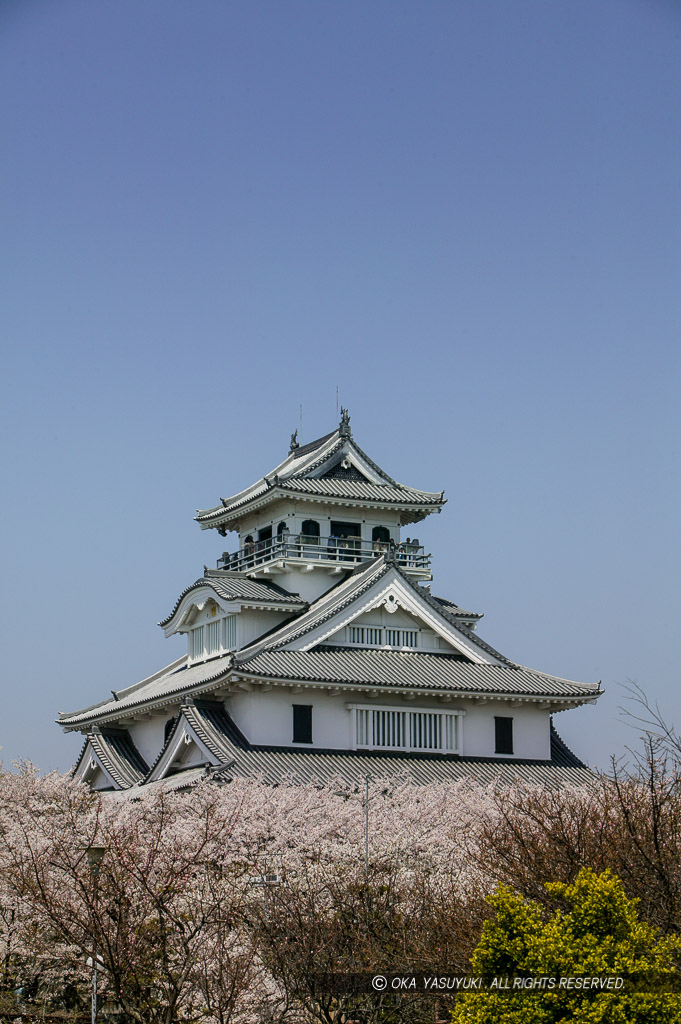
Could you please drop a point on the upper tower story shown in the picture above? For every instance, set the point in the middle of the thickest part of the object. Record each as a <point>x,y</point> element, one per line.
<point>319,513</point>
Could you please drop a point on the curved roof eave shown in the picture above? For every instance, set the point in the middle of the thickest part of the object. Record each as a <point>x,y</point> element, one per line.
<point>256,593</point>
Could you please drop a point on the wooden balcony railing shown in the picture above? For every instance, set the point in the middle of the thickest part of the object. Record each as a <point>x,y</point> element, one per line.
<point>302,547</point>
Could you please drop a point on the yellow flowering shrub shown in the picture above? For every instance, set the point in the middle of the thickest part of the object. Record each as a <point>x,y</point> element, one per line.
<point>594,932</point>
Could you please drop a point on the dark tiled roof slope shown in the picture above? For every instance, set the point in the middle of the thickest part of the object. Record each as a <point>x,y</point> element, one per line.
<point>299,474</point>
<point>449,608</point>
<point>417,670</point>
<point>118,754</point>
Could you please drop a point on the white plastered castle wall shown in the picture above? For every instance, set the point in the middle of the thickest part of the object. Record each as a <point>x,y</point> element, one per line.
<point>294,513</point>
<point>252,623</point>
<point>311,581</point>
<point>149,736</point>
<point>267,718</point>
<point>531,729</point>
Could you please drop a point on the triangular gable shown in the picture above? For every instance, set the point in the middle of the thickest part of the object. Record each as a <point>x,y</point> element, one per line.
<point>192,604</point>
<point>110,760</point>
<point>91,770</point>
<point>348,462</point>
<point>391,590</point>
<point>393,593</point>
<point>183,749</point>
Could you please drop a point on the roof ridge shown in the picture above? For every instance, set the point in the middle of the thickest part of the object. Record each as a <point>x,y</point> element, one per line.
<point>468,633</point>
<point>310,446</point>
<point>559,679</point>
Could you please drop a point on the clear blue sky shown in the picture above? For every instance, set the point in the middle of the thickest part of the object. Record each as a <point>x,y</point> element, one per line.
<point>464,214</point>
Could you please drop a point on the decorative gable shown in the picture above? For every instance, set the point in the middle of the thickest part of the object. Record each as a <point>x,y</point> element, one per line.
<point>92,772</point>
<point>344,470</point>
<point>391,613</point>
<point>184,749</point>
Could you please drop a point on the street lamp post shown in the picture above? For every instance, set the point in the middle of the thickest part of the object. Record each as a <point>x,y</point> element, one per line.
<point>366,826</point>
<point>95,856</point>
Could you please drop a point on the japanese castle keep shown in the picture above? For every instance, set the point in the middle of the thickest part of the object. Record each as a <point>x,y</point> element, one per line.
<point>316,651</point>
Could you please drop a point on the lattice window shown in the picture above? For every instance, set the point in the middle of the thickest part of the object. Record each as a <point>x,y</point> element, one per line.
<point>229,632</point>
<point>402,637</point>
<point>367,635</point>
<point>213,637</point>
<point>399,729</point>
<point>196,643</point>
<point>377,636</point>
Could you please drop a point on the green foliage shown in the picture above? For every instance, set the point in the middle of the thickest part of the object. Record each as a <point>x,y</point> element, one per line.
<point>594,931</point>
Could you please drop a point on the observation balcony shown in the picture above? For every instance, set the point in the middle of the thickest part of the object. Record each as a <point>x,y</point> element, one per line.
<point>334,554</point>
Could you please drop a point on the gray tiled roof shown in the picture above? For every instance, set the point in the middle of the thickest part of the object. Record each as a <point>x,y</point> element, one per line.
<point>164,688</point>
<point>416,670</point>
<point>449,608</point>
<point>297,462</point>
<point>118,754</point>
<point>215,727</point>
<point>279,764</point>
<point>236,586</point>
<point>293,475</point>
<point>312,446</point>
<point>363,490</point>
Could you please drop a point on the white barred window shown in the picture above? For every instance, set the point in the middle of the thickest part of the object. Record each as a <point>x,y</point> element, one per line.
<point>402,637</point>
<point>196,642</point>
<point>377,636</point>
<point>213,638</point>
<point>229,632</point>
<point>399,729</point>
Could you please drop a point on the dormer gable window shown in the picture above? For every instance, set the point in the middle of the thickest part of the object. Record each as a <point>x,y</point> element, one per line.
<point>211,638</point>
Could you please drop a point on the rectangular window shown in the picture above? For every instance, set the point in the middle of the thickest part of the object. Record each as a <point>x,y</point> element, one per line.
<point>302,723</point>
<point>426,732</point>
<point>503,735</point>
<point>213,637</point>
<point>229,632</point>
<point>376,636</point>
<point>397,729</point>
<point>369,635</point>
<point>401,637</point>
<point>196,643</point>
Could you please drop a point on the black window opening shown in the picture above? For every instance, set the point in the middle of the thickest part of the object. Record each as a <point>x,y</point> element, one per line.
<point>302,723</point>
<point>309,531</point>
<point>281,529</point>
<point>346,529</point>
<point>265,533</point>
<point>381,534</point>
<point>344,540</point>
<point>503,735</point>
